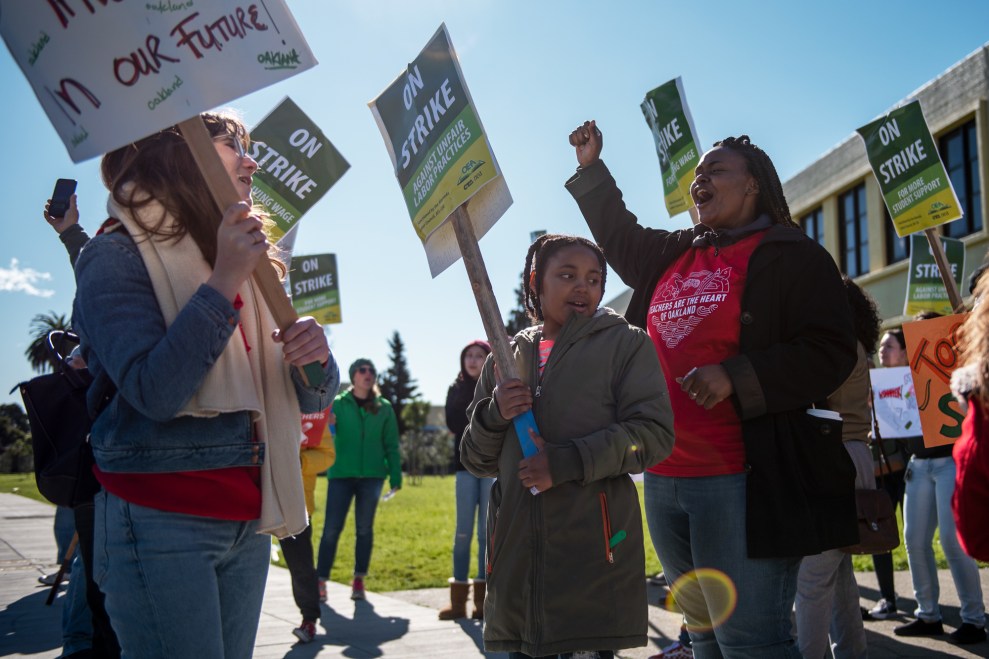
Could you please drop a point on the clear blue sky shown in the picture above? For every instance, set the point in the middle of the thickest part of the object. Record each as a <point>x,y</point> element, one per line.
<point>798,77</point>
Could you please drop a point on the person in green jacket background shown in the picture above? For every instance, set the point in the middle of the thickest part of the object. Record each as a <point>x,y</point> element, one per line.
<point>366,445</point>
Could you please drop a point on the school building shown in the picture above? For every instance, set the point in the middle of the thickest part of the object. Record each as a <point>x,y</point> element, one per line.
<point>838,202</point>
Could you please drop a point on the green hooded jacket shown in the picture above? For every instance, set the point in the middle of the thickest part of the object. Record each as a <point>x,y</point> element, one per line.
<point>366,443</point>
<point>566,567</point>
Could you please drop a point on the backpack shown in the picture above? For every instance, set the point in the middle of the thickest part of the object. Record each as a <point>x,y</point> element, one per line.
<point>56,408</point>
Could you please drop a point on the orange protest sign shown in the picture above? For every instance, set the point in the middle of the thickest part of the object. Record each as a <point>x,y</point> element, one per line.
<point>931,347</point>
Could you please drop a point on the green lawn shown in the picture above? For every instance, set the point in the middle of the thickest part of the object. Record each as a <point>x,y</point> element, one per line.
<point>22,484</point>
<point>413,539</point>
<point>414,535</point>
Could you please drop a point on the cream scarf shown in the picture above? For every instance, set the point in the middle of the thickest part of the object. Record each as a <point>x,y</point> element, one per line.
<point>258,380</point>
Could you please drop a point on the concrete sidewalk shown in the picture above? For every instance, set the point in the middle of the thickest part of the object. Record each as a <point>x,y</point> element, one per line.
<point>400,624</point>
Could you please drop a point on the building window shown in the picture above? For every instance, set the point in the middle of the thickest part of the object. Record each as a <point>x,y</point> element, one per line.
<point>897,249</point>
<point>961,158</point>
<point>813,225</point>
<point>853,217</point>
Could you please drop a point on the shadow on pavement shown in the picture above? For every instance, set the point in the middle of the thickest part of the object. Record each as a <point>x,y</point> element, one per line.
<point>473,629</point>
<point>24,631</point>
<point>360,636</point>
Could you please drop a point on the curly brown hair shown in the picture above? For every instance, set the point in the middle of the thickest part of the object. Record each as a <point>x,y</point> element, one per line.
<point>973,342</point>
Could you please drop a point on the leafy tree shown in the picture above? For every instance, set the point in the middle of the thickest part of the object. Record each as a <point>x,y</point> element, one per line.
<point>396,383</point>
<point>518,317</point>
<point>423,450</point>
<point>37,352</point>
<point>15,439</point>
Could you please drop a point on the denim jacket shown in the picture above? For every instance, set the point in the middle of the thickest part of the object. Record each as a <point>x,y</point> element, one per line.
<point>155,370</point>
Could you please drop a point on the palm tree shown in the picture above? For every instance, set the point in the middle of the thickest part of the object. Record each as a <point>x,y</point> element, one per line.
<point>37,352</point>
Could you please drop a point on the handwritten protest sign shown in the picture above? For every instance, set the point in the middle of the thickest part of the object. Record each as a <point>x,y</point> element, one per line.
<point>110,73</point>
<point>931,347</point>
<point>925,288</point>
<point>895,402</point>
<point>439,150</point>
<point>914,183</point>
<point>315,287</point>
<point>666,112</point>
<point>297,165</point>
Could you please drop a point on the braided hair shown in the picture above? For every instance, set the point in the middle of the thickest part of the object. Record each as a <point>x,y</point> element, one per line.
<point>540,252</point>
<point>771,199</point>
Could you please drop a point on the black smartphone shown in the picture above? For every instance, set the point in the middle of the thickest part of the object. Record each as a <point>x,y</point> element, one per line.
<point>64,189</point>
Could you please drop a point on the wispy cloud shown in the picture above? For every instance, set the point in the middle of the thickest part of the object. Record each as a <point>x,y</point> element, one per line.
<point>18,279</point>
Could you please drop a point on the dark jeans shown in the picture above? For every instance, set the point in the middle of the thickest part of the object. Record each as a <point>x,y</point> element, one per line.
<point>305,586</point>
<point>895,486</point>
<point>339,493</point>
<point>104,640</point>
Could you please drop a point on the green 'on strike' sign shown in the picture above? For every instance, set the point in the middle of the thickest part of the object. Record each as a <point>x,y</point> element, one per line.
<point>297,165</point>
<point>905,160</point>
<point>315,288</point>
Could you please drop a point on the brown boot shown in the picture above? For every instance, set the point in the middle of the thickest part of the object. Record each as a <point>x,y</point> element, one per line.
<point>479,588</point>
<point>458,601</point>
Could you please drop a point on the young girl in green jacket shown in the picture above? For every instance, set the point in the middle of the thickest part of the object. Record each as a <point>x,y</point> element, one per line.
<point>566,566</point>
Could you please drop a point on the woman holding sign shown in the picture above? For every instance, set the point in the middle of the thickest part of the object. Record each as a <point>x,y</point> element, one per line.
<point>197,449</point>
<point>735,308</point>
<point>930,488</point>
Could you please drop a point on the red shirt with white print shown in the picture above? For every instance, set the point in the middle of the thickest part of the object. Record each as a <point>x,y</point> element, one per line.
<point>693,320</point>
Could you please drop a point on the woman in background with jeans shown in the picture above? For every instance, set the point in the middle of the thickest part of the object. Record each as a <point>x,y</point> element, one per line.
<point>472,492</point>
<point>892,352</point>
<point>366,445</point>
<point>930,485</point>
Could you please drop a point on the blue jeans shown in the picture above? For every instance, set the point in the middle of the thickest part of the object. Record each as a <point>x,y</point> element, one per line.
<point>927,506</point>
<point>827,605</point>
<point>179,585</point>
<point>472,501</point>
<point>77,619</point>
<point>65,527</point>
<point>339,492</point>
<point>700,523</point>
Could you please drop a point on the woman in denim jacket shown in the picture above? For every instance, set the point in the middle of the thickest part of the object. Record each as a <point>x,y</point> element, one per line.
<point>197,448</point>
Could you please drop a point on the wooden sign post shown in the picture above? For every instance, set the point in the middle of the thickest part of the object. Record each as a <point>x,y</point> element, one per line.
<point>440,170</point>
<point>937,249</point>
<point>487,306</point>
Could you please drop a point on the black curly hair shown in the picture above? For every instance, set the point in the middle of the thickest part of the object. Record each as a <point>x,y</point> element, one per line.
<point>865,315</point>
<point>771,199</point>
<point>540,252</point>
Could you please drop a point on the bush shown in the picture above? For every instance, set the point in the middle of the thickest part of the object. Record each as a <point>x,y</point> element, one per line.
<point>426,451</point>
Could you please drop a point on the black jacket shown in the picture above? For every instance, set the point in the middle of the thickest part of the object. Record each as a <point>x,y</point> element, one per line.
<point>458,398</point>
<point>797,346</point>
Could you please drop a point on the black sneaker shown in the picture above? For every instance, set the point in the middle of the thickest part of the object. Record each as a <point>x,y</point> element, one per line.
<point>920,628</point>
<point>659,580</point>
<point>883,609</point>
<point>968,634</point>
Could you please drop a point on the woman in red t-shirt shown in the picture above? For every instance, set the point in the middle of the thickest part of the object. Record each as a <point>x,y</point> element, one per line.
<point>751,324</point>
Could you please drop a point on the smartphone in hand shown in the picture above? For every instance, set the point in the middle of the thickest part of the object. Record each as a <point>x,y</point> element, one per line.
<point>64,189</point>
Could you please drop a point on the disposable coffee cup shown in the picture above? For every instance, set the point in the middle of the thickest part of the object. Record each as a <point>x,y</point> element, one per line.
<point>824,414</point>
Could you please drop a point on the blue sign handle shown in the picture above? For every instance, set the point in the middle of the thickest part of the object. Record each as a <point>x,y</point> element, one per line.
<point>523,423</point>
